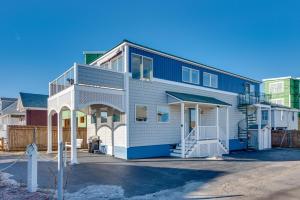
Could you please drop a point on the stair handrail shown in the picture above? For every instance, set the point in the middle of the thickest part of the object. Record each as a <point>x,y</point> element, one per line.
<point>188,138</point>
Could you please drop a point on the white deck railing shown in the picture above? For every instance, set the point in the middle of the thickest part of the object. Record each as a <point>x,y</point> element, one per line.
<point>208,132</point>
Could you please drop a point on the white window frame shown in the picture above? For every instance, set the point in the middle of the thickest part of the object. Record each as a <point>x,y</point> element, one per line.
<point>142,71</point>
<point>210,75</point>
<point>147,114</point>
<point>190,75</point>
<point>169,111</point>
<point>275,101</point>
<point>271,85</point>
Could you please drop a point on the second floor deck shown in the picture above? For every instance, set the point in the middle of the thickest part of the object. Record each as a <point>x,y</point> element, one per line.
<point>88,75</point>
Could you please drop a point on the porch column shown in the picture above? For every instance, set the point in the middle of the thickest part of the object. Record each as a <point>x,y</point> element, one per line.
<point>259,127</point>
<point>197,121</point>
<point>227,128</point>
<point>73,137</point>
<point>182,130</point>
<point>49,126</point>
<point>60,163</point>
<point>217,123</point>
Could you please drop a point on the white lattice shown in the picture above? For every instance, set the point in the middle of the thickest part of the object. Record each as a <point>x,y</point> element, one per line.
<point>86,98</point>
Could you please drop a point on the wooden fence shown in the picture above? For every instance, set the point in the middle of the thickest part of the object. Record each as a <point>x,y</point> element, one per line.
<point>18,137</point>
<point>286,139</point>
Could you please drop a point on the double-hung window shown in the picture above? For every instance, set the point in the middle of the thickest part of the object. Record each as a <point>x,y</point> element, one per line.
<point>190,75</point>
<point>210,80</point>
<point>117,64</point>
<point>141,67</point>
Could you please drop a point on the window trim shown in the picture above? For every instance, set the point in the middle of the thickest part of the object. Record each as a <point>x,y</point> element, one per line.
<point>166,106</point>
<point>274,83</point>
<point>190,75</point>
<point>210,78</point>
<point>142,71</point>
<point>147,115</point>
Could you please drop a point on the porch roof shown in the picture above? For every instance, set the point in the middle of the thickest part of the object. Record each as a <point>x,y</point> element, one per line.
<point>184,97</point>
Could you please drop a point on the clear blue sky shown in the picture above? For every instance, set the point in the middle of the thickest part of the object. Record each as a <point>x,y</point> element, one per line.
<point>40,39</point>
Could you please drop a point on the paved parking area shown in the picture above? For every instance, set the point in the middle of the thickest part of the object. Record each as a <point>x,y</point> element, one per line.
<point>270,174</point>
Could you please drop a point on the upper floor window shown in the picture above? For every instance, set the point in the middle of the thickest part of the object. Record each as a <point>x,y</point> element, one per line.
<point>276,87</point>
<point>278,101</point>
<point>116,64</point>
<point>190,75</point>
<point>210,80</point>
<point>141,67</point>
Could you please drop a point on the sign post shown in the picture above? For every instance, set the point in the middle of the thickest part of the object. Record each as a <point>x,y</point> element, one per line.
<point>32,168</point>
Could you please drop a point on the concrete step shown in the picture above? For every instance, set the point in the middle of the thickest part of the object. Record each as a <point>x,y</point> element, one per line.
<point>175,155</point>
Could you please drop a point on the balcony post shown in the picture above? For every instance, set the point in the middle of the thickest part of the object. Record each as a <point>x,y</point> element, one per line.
<point>227,128</point>
<point>197,121</point>
<point>182,130</point>
<point>49,126</point>
<point>73,137</point>
<point>217,122</point>
<point>75,73</point>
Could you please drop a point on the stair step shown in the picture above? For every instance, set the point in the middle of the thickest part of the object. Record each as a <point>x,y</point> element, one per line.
<point>175,155</point>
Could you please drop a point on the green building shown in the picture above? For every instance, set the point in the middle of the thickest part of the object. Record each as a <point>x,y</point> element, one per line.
<point>283,91</point>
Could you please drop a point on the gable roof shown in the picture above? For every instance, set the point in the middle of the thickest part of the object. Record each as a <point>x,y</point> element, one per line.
<point>11,109</point>
<point>30,100</point>
<point>197,98</point>
<point>176,57</point>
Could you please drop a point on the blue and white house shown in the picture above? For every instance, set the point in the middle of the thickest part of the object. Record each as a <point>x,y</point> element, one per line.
<point>143,103</point>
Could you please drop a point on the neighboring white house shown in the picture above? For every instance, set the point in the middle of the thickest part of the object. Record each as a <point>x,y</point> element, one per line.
<point>9,115</point>
<point>284,118</point>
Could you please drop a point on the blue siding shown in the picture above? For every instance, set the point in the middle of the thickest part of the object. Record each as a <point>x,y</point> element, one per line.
<point>148,151</point>
<point>170,69</point>
<point>236,144</point>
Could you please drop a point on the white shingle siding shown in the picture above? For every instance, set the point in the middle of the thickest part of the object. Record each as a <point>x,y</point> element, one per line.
<point>153,93</point>
<point>100,77</point>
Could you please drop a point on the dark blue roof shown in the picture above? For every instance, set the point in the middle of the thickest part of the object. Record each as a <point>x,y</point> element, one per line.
<point>34,100</point>
<point>197,98</point>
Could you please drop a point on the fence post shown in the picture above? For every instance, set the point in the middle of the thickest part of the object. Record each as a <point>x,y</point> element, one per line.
<point>32,168</point>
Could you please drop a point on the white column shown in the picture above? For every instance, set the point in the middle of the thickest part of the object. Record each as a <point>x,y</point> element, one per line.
<point>270,126</point>
<point>182,130</point>
<point>32,168</point>
<point>73,137</point>
<point>197,121</point>
<point>217,123</point>
<point>49,126</point>
<point>260,141</point>
<point>60,162</point>
<point>227,128</point>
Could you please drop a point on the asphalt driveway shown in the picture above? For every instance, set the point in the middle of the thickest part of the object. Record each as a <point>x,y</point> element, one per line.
<point>241,175</point>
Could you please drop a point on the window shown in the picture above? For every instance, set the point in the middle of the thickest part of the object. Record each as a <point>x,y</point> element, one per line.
<point>278,101</point>
<point>190,75</point>
<point>141,67</point>
<point>103,117</point>
<point>264,115</point>
<point>117,64</point>
<point>293,116</point>
<point>116,117</point>
<point>210,80</point>
<point>141,113</point>
<point>163,114</point>
<point>81,119</point>
<point>276,87</point>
